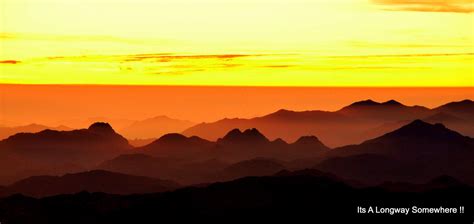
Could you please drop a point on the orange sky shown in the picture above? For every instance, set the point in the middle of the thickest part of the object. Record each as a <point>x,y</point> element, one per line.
<point>134,48</point>
<point>23,104</point>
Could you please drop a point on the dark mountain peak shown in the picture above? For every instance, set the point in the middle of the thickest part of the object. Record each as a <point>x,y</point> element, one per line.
<point>373,104</point>
<point>418,126</point>
<point>248,136</point>
<point>392,103</point>
<point>308,140</point>
<point>172,137</point>
<point>101,128</point>
<point>253,132</point>
<point>279,141</point>
<point>419,131</point>
<point>458,105</point>
<point>233,133</point>
<point>283,112</point>
<point>368,102</point>
<point>462,102</point>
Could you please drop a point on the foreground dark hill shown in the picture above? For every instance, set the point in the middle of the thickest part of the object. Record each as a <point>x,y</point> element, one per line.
<point>351,125</point>
<point>50,151</point>
<point>287,197</point>
<point>416,152</point>
<point>91,181</point>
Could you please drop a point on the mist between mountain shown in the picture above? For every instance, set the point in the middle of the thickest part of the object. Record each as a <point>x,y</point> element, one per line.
<point>408,210</point>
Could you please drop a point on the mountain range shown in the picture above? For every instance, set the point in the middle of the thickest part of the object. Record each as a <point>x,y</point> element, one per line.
<point>58,152</point>
<point>352,124</point>
<point>293,197</point>
<point>415,152</point>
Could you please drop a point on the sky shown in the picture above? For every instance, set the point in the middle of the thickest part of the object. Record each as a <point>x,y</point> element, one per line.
<point>337,43</point>
<point>78,106</point>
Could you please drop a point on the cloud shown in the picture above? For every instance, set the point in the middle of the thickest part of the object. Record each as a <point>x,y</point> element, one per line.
<point>11,62</point>
<point>454,6</point>
<point>405,55</point>
<point>165,57</point>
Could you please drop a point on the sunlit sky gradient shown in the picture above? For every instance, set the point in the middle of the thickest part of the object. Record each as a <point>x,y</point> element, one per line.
<point>238,42</point>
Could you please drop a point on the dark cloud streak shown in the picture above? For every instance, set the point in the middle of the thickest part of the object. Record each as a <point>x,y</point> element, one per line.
<point>453,6</point>
<point>11,62</point>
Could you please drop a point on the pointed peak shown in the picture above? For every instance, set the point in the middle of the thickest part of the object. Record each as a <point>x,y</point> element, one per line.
<point>419,130</point>
<point>283,111</point>
<point>249,135</point>
<point>279,141</point>
<point>233,132</point>
<point>252,132</point>
<point>101,127</point>
<point>308,140</point>
<point>392,103</point>
<point>418,124</point>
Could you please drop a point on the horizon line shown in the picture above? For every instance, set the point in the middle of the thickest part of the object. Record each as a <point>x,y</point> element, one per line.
<point>220,86</point>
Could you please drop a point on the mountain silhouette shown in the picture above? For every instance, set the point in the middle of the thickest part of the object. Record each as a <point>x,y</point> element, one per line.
<point>192,160</point>
<point>415,152</point>
<point>386,111</point>
<point>294,197</point>
<point>91,181</point>
<point>56,152</point>
<point>178,146</point>
<point>352,124</point>
<point>249,136</point>
<point>251,143</point>
<point>420,137</point>
<point>462,109</point>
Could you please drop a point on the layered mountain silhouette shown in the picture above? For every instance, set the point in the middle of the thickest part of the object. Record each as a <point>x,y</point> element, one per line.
<point>288,196</point>
<point>234,146</point>
<point>91,181</point>
<point>56,152</point>
<point>350,125</point>
<point>192,160</point>
<point>416,152</point>
<point>274,167</point>
<point>178,146</point>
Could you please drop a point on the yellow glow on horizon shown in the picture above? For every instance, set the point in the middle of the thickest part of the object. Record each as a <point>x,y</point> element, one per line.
<point>288,43</point>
